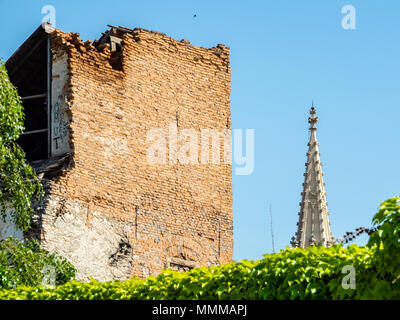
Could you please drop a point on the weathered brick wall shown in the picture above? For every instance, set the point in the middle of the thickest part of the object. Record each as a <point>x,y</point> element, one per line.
<point>112,213</point>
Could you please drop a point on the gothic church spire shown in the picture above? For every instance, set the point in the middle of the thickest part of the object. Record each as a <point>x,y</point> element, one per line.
<point>313,226</point>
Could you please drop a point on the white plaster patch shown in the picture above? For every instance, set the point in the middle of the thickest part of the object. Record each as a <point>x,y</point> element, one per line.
<point>88,246</point>
<point>59,118</point>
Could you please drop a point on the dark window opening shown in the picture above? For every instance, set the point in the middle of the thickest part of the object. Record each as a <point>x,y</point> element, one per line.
<point>28,71</point>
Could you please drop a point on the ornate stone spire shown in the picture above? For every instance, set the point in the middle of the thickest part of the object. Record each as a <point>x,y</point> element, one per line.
<point>313,226</point>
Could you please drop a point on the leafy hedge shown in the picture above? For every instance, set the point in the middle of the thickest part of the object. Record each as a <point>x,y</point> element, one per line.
<point>25,263</point>
<point>294,273</point>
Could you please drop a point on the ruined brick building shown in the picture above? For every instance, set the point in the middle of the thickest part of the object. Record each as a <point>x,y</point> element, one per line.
<point>88,109</point>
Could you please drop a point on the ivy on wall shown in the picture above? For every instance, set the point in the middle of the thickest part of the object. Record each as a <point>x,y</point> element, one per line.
<point>18,182</point>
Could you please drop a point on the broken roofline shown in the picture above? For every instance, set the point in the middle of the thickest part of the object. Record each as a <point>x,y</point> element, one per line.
<point>132,31</point>
<point>33,41</point>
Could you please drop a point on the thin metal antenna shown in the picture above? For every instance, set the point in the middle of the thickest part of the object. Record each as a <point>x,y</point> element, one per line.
<point>272,230</point>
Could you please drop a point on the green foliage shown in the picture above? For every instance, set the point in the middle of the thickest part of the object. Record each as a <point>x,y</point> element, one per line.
<point>26,264</point>
<point>18,182</point>
<point>295,273</point>
<point>386,240</point>
<point>313,273</point>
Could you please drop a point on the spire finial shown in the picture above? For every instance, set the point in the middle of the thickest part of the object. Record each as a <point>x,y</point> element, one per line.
<point>312,120</point>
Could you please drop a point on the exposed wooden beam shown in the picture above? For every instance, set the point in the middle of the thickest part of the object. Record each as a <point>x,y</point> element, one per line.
<point>34,131</point>
<point>36,96</point>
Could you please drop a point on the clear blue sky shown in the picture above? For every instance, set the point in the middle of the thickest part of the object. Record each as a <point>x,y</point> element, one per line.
<point>283,55</point>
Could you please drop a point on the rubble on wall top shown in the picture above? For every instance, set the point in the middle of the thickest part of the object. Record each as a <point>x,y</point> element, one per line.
<point>119,32</point>
<point>113,40</point>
